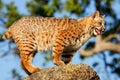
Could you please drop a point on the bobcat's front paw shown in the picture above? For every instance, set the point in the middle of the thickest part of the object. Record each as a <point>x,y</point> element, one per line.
<point>59,63</point>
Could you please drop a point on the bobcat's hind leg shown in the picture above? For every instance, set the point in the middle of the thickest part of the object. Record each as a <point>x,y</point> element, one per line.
<point>26,62</point>
<point>27,52</point>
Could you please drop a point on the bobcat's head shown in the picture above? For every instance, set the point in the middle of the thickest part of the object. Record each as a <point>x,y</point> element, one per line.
<point>98,25</point>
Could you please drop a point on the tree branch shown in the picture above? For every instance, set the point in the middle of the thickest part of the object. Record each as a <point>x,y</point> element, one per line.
<point>110,37</point>
<point>67,72</point>
<point>102,45</point>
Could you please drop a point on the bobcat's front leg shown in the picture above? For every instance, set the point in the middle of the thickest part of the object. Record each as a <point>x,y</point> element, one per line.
<point>57,51</point>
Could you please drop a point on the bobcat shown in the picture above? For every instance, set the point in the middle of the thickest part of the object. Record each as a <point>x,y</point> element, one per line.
<point>62,36</point>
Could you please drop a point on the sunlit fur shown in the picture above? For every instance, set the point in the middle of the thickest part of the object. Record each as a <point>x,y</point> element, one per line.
<point>62,36</point>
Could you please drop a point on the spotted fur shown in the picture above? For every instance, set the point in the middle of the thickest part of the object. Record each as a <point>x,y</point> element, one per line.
<point>62,36</point>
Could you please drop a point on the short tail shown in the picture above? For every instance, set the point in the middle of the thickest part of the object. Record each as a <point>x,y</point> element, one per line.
<point>7,34</point>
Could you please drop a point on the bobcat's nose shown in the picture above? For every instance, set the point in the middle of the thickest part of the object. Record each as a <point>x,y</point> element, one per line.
<point>103,29</point>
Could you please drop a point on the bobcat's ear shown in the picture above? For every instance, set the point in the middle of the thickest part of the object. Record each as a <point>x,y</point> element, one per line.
<point>102,16</point>
<point>96,14</point>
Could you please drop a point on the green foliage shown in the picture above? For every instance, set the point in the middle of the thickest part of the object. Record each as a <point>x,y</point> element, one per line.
<point>76,6</point>
<point>12,14</point>
<point>43,7</point>
<point>56,4</point>
<point>1,38</point>
<point>1,4</point>
<point>73,6</point>
<point>48,57</point>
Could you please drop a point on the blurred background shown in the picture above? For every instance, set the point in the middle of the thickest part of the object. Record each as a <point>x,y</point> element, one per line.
<point>102,53</point>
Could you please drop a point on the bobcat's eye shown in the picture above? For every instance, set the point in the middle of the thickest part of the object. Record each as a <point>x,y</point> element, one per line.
<point>100,23</point>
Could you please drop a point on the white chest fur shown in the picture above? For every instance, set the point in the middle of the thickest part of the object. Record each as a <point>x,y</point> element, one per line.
<point>79,42</point>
